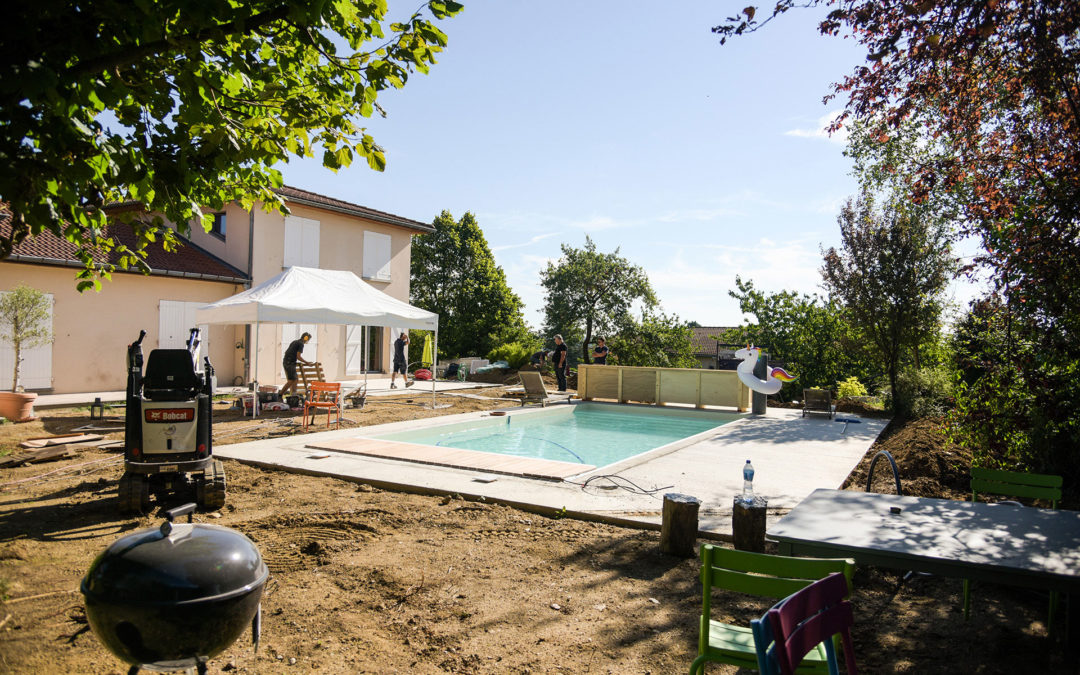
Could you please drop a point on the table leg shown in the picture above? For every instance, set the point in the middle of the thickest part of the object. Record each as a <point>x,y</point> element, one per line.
<point>1072,622</point>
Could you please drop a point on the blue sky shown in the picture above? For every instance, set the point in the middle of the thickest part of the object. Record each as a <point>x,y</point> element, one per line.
<point>627,122</point>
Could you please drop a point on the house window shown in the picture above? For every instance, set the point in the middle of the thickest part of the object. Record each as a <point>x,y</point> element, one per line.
<point>301,242</point>
<point>376,256</point>
<point>218,228</point>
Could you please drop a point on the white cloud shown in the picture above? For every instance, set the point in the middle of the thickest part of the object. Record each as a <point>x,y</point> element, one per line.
<point>698,215</point>
<point>819,131</point>
<point>530,242</point>
<point>697,289</point>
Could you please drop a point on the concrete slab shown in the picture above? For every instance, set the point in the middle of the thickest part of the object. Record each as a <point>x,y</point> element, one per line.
<point>792,457</point>
<point>377,386</point>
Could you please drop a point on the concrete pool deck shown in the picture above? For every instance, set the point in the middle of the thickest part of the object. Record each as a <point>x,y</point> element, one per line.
<point>792,457</point>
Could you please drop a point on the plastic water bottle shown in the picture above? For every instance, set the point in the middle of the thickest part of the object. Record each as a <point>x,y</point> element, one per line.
<point>748,482</point>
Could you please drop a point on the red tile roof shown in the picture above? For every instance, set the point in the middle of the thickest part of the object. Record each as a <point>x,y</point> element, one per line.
<point>309,198</point>
<point>703,343</point>
<point>188,260</point>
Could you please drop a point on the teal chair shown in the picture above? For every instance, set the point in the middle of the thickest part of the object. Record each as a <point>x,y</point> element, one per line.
<point>1014,484</point>
<point>768,576</point>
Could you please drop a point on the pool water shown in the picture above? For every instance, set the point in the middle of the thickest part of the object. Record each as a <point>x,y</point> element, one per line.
<point>585,433</point>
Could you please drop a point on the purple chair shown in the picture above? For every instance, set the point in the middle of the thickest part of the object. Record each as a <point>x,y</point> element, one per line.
<point>803,620</point>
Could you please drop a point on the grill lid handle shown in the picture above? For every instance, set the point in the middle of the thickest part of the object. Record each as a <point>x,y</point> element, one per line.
<point>173,514</point>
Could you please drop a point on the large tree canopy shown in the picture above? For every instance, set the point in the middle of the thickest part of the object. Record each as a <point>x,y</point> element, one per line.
<point>455,275</point>
<point>987,93</point>
<point>658,340</point>
<point>994,87</point>
<point>182,104</point>
<point>807,332</point>
<point>589,291</point>
<point>889,275</point>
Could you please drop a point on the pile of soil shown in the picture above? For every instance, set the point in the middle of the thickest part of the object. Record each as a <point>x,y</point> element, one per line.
<point>366,581</point>
<point>928,465</point>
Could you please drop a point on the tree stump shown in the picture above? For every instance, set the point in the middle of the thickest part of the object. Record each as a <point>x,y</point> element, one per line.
<point>748,524</point>
<point>679,527</point>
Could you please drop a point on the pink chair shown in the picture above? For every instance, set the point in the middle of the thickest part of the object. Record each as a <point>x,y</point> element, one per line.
<point>809,617</point>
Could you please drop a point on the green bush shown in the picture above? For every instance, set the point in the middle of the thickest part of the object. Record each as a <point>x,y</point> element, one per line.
<point>850,387</point>
<point>927,392</point>
<point>515,353</point>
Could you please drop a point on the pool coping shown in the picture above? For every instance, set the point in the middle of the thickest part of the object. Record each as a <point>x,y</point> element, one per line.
<point>793,456</point>
<point>526,466</point>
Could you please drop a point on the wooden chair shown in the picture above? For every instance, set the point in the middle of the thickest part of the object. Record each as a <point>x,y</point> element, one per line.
<point>309,373</point>
<point>1014,484</point>
<point>770,576</point>
<point>818,402</point>
<point>323,395</point>
<point>801,623</point>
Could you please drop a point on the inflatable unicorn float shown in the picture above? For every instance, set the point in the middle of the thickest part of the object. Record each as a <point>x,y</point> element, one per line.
<point>770,385</point>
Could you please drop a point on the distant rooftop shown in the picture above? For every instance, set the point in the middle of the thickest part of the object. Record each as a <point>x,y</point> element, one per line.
<point>187,261</point>
<point>703,343</point>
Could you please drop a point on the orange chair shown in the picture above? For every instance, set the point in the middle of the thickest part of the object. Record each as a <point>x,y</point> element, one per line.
<point>323,395</point>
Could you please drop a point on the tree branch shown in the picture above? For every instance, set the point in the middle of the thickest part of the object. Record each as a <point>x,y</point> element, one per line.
<point>132,53</point>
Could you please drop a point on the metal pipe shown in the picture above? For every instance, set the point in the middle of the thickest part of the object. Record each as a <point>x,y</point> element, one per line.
<point>895,471</point>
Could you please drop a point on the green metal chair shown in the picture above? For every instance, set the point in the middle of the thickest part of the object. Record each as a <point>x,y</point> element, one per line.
<point>769,576</point>
<point>1014,484</point>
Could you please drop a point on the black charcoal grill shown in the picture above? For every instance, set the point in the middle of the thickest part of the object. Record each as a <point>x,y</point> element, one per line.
<point>174,597</point>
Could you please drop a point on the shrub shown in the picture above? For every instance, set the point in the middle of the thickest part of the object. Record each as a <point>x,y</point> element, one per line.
<point>926,392</point>
<point>515,353</point>
<point>850,387</point>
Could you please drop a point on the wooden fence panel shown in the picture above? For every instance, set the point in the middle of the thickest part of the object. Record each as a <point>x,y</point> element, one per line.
<point>690,386</point>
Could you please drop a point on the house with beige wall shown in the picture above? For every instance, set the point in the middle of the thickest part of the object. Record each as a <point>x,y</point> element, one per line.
<point>92,329</point>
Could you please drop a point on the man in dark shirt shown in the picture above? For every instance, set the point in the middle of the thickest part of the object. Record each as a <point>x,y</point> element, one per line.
<point>401,346</point>
<point>558,358</point>
<point>292,355</point>
<point>600,354</point>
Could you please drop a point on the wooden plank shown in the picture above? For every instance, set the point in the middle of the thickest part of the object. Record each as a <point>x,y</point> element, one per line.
<point>42,455</point>
<point>59,440</point>
<point>103,444</point>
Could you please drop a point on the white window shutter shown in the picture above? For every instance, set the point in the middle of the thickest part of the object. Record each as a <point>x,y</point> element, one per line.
<point>377,256</point>
<point>311,243</point>
<point>294,241</point>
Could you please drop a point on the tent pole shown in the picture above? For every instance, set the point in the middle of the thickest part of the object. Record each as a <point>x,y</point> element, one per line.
<point>434,365</point>
<point>364,356</point>
<point>255,392</point>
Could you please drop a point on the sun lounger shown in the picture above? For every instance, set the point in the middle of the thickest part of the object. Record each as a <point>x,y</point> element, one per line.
<point>818,402</point>
<point>535,391</point>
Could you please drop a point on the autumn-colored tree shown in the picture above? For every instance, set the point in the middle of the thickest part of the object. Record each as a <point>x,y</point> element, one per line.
<point>991,90</point>
<point>997,86</point>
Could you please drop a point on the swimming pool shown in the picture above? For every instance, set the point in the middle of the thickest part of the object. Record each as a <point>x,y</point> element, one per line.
<point>585,433</point>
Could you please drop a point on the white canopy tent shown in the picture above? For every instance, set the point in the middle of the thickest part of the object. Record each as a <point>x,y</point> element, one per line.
<point>310,295</point>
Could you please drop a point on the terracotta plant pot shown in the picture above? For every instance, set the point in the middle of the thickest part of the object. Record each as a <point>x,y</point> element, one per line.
<point>17,406</point>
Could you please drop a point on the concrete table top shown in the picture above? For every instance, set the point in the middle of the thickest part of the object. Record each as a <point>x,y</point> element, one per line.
<point>1010,544</point>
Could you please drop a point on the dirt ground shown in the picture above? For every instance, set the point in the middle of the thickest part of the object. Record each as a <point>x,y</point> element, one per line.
<point>367,581</point>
